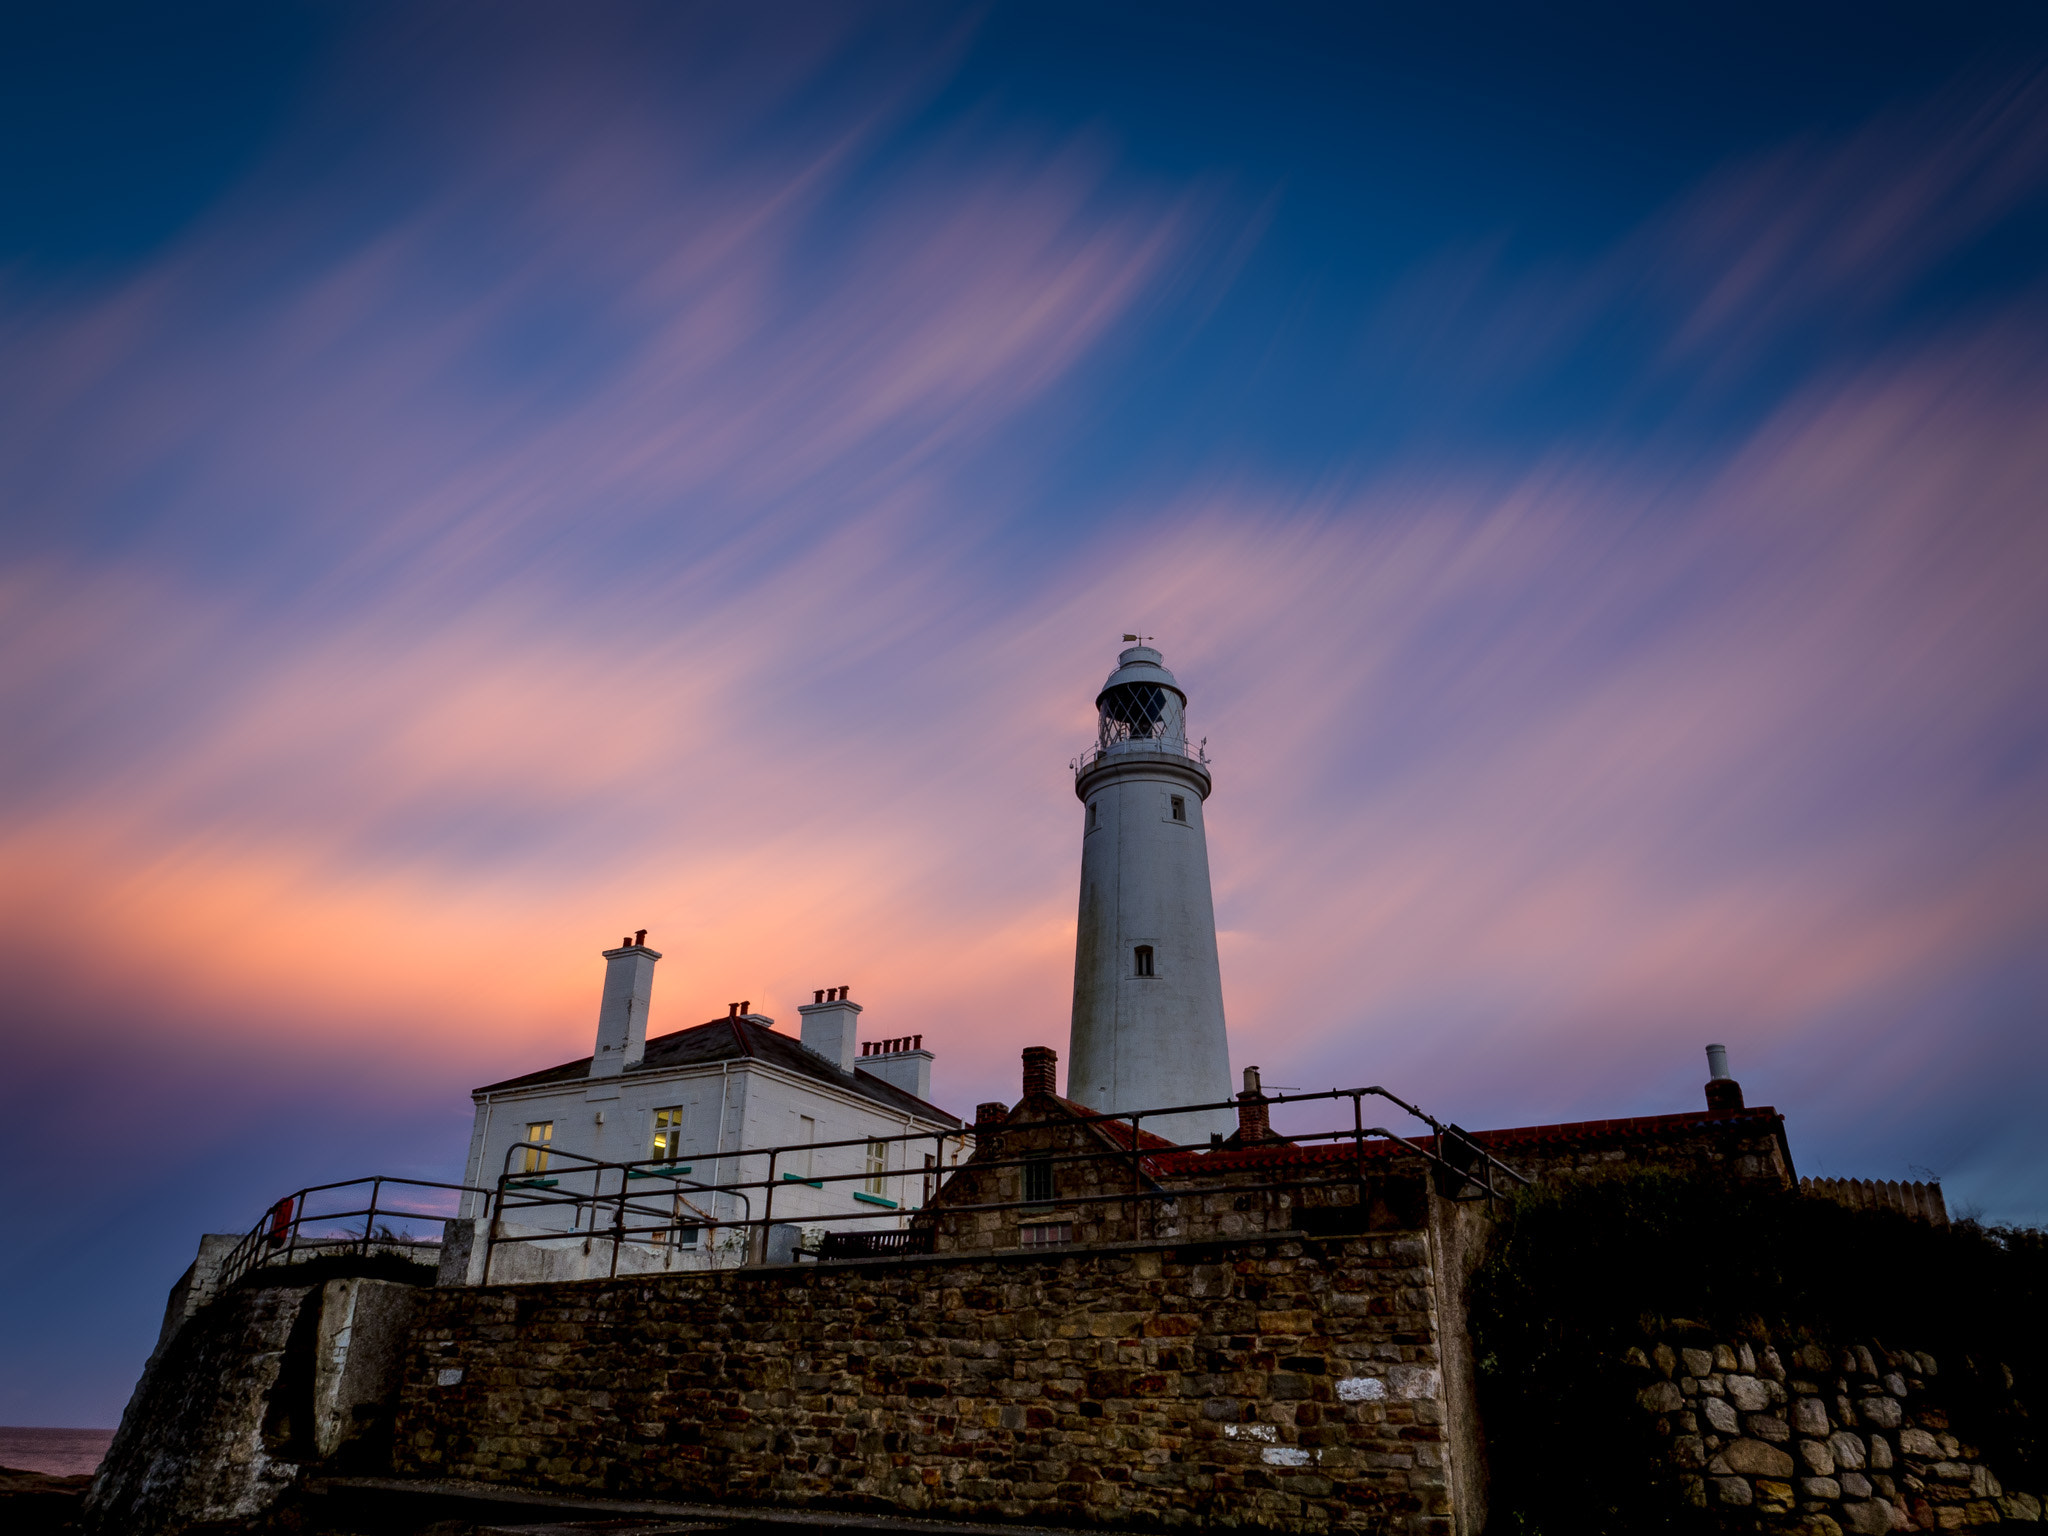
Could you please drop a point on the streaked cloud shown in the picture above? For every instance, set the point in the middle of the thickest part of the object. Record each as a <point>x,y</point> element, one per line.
<point>637,514</point>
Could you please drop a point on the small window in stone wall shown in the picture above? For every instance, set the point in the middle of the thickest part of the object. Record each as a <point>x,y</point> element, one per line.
<point>1038,1179</point>
<point>1180,807</point>
<point>1046,1234</point>
<point>1141,959</point>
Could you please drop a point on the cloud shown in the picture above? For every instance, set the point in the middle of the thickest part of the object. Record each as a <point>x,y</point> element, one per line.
<point>623,528</point>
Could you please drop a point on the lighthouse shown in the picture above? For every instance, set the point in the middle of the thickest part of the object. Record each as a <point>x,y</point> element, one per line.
<point>1148,995</point>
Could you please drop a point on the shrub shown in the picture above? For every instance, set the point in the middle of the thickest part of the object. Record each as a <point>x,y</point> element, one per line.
<point>1577,1273</point>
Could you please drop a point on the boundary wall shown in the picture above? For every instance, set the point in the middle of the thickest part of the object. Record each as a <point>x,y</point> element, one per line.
<point>1287,1384</point>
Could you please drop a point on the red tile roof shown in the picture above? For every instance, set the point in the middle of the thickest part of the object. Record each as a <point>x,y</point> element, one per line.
<point>1279,1154</point>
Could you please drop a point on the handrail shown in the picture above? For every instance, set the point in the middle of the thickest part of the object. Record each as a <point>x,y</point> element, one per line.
<point>1458,1161</point>
<point>280,1233</point>
<point>1142,746</point>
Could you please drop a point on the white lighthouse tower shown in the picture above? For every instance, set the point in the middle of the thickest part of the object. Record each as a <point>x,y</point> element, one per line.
<point>1148,996</point>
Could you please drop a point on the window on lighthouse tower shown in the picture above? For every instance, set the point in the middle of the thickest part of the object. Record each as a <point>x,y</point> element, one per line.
<point>1142,958</point>
<point>1180,808</point>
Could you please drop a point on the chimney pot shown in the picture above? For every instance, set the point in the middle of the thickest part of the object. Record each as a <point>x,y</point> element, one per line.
<point>1041,1069</point>
<point>640,936</point>
<point>818,996</point>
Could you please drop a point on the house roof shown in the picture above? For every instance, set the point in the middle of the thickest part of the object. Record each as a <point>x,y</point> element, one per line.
<point>1502,1143</point>
<point>731,1039</point>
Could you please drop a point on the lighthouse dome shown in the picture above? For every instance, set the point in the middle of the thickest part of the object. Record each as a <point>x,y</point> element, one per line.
<point>1140,701</point>
<point>1140,664</point>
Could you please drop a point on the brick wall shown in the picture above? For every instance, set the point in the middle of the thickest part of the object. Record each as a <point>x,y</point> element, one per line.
<point>1282,1385</point>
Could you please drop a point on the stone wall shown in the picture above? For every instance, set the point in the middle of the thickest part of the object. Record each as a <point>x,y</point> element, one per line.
<point>254,1387</point>
<point>1819,1441</point>
<point>1922,1202</point>
<point>1281,1384</point>
<point>192,1444</point>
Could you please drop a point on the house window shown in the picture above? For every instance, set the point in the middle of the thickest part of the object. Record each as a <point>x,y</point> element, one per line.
<point>1038,1179</point>
<point>667,1146</point>
<point>878,1165</point>
<point>1046,1234</point>
<point>1142,960</point>
<point>542,1131</point>
<point>689,1235</point>
<point>1180,807</point>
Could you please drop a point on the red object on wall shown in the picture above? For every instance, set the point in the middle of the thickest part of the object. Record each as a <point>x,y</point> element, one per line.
<point>281,1220</point>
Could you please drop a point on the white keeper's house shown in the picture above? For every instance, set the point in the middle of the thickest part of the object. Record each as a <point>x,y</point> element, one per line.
<point>697,1107</point>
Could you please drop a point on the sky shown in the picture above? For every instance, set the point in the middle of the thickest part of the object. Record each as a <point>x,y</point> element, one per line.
<point>476,480</point>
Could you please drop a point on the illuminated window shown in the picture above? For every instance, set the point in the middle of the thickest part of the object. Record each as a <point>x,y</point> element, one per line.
<point>878,1165</point>
<point>1142,960</point>
<point>542,1131</point>
<point>1038,1179</point>
<point>1180,807</point>
<point>667,1146</point>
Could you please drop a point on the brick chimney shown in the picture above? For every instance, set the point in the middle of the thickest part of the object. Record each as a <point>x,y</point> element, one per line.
<point>1252,1122</point>
<point>995,1112</point>
<point>622,1013</point>
<point>1041,1070</point>
<point>1724,1094</point>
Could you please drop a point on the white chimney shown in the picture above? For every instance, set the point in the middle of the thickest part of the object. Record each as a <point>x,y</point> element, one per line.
<point>622,1015</point>
<point>903,1062</point>
<point>829,1027</point>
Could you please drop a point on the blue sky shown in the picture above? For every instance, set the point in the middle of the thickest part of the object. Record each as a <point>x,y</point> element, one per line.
<point>482,479</point>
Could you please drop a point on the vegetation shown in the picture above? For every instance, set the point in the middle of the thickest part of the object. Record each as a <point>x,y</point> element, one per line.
<point>1578,1273</point>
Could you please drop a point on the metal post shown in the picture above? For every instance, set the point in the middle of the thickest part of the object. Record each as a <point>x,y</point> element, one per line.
<point>757,1240</point>
<point>1358,1147</point>
<point>492,1207</point>
<point>618,1217</point>
<point>1136,1182</point>
<point>370,1219</point>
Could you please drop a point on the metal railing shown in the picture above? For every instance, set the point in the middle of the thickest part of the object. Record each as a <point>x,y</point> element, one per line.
<point>302,1225</point>
<point>320,1220</point>
<point>611,1209</point>
<point>1142,746</point>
